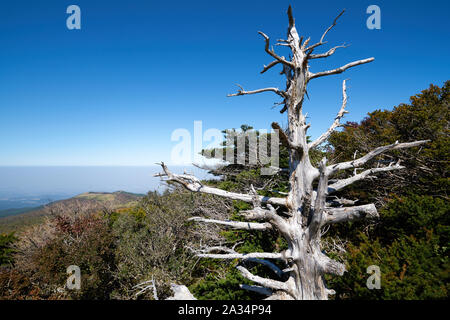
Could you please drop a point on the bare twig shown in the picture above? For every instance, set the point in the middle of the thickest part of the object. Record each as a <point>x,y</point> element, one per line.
<point>340,69</point>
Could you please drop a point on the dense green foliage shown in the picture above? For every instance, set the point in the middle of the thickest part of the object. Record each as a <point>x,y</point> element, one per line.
<point>410,241</point>
<point>425,118</point>
<point>411,248</point>
<point>6,250</point>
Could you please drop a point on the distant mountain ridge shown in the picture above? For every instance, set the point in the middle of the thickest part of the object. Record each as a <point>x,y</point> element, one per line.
<point>16,219</point>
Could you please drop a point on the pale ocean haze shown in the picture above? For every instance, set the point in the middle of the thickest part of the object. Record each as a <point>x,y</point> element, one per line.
<point>54,183</point>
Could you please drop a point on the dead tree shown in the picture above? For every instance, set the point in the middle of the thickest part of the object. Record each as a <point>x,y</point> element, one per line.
<point>307,208</point>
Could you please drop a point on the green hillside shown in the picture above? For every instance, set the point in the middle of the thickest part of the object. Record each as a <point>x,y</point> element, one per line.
<point>17,219</point>
<point>15,211</point>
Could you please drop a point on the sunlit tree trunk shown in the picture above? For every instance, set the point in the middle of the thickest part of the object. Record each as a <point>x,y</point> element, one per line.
<point>307,208</point>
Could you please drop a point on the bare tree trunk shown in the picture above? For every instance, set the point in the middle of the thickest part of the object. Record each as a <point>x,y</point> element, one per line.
<point>305,210</point>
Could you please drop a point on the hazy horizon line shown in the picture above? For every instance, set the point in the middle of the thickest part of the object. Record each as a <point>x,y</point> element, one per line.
<point>98,165</point>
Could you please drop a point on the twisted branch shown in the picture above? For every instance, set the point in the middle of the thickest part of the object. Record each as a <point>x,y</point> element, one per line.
<point>242,92</point>
<point>336,122</point>
<point>321,42</point>
<point>235,224</point>
<point>326,54</point>
<point>273,54</point>
<point>340,69</point>
<point>340,184</point>
<point>193,184</point>
<point>268,283</point>
<point>345,214</point>
<point>231,254</point>
<point>361,161</point>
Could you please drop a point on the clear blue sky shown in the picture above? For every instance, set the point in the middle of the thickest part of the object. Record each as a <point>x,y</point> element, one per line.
<point>113,92</point>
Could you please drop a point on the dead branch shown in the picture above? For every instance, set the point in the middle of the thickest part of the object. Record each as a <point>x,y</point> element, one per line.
<point>193,184</point>
<point>345,214</point>
<point>340,69</point>
<point>363,160</point>
<point>336,122</point>
<point>242,92</point>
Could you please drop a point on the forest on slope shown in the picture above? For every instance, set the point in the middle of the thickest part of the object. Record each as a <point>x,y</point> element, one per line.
<point>118,249</point>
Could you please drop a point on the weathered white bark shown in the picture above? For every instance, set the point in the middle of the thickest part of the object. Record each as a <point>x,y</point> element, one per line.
<point>231,254</point>
<point>340,184</point>
<point>305,210</point>
<point>324,136</point>
<point>243,92</point>
<point>268,283</point>
<point>340,69</point>
<point>326,54</point>
<point>193,184</point>
<point>180,293</point>
<point>235,224</point>
<point>335,215</point>
<point>372,154</point>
